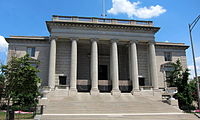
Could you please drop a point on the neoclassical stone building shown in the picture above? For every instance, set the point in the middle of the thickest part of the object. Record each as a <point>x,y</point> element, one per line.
<point>88,54</point>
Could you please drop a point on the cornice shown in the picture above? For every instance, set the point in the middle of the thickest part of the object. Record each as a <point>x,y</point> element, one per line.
<point>126,28</point>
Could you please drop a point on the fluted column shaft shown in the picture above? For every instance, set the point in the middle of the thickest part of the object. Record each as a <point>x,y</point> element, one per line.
<point>134,66</point>
<point>94,67</point>
<point>115,69</point>
<point>52,63</point>
<point>73,73</point>
<point>152,62</point>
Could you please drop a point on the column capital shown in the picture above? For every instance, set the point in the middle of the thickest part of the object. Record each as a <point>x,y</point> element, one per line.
<point>114,40</point>
<point>94,39</point>
<point>53,38</point>
<point>74,38</point>
<point>134,41</point>
<point>151,42</point>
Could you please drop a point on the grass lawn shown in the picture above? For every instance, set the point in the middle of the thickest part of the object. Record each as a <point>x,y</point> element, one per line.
<point>17,116</point>
<point>2,115</point>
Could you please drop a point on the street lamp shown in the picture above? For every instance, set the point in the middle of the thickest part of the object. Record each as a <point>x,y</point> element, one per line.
<point>191,26</point>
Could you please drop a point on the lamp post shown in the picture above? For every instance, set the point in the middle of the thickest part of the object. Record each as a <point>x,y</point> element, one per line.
<point>191,26</point>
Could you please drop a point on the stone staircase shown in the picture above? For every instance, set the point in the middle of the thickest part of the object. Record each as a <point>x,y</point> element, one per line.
<point>104,106</point>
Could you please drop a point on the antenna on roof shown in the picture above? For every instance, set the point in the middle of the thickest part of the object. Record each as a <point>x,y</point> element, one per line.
<point>103,9</point>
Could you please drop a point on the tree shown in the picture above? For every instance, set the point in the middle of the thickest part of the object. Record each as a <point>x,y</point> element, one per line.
<point>193,86</point>
<point>179,78</point>
<point>184,94</point>
<point>175,75</point>
<point>2,82</point>
<point>21,84</point>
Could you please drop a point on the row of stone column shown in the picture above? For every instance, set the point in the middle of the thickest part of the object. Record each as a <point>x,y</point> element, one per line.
<point>114,71</point>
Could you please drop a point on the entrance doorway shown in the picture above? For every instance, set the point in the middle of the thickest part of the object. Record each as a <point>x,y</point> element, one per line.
<point>104,83</point>
<point>103,72</point>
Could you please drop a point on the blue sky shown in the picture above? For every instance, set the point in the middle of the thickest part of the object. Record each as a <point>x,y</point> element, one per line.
<point>27,17</point>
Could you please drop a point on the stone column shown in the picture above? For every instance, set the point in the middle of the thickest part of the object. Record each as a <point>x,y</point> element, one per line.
<point>134,67</point>
<point>152,65</point>
<point>52,63</point>
<point>94,67</point>
<point>114,67</point>
<point>73,72</point>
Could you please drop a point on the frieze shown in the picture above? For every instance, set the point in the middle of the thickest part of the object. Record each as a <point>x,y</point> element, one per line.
<point>120,28</point>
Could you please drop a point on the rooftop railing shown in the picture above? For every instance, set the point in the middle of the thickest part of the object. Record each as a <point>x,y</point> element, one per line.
<point>101,20</point>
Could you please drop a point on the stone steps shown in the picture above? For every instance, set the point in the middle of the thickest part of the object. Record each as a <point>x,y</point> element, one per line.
<point>108,107</point>
<point>121,117</point>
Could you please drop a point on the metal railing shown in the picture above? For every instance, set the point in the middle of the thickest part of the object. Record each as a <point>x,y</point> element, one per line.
<point>101,20</point>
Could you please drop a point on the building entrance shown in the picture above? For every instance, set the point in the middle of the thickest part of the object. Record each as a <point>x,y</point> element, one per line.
<point>103,72</point>
<point>104,82</point>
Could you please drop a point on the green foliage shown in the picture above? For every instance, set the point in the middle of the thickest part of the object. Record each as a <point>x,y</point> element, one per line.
<point>21,85</point>
<point>184,94</point>
<point>179,78</point>
<point>175,75</point>
<point>2,82</point>
<point>193,86</point>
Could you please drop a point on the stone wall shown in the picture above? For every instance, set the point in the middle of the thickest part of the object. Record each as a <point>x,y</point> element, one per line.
<point>18,48</point>
<point>177,53</point>
<point>143,63</point>
<point>63,60</point>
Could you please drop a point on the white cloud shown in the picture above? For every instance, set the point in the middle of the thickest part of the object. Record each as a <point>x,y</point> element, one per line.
<point>132,9</point>
<point>197,59</point>
<point>191,67</point>
<point>3,44</point>
<point>3,50</point>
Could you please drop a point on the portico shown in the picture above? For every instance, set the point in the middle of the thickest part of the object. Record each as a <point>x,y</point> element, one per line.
<point>102,54</point>
<point>94,57</point>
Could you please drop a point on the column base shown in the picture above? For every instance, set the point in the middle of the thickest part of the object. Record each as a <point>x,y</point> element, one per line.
<point>72,92</point>
<point>94,91</point>
<point>136,92</point>
<point>116,92</point>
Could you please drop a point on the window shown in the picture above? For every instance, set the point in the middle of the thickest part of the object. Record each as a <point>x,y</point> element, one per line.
<point>62,80</point>
<point>31,51</point>
<point>168,56</point>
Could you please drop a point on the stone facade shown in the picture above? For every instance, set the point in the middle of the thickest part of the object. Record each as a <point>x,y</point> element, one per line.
<point>100,55</point>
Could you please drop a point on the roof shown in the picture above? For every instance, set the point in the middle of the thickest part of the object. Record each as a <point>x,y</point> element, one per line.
<point>101,22</point>
<point>40,38</point>
<point>172,44</point>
